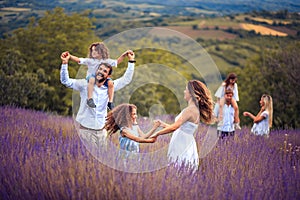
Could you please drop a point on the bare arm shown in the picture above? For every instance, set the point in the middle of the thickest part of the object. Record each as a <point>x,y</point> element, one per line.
<point>64,74</point>
<point>74,58</point>
<point>121,58</point>
<point>126,133</point>
<point>248,114</point>
<point>185,116</point>
<point>127,77</point>
<point>256,118</point>
<point>143,135</point>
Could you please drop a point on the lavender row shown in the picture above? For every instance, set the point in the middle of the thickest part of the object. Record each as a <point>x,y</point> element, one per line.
<point>42,157</point>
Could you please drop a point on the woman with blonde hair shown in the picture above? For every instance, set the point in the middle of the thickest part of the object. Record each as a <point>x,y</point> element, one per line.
<point>263,120</point>
<point>182,147</point>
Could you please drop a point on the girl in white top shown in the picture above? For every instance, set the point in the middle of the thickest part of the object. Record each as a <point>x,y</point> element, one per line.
<point>263,120</point>
<point>98,53</point>
<point>229,83</point>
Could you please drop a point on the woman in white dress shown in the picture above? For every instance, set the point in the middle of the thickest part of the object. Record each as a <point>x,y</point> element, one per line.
<point>263,120</point>
<point>182,147</point>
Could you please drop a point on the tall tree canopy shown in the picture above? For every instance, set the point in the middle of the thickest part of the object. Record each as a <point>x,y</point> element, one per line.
<point>30,60</point>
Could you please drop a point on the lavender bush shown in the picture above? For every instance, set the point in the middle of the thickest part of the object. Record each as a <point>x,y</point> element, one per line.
<point>42,157</point>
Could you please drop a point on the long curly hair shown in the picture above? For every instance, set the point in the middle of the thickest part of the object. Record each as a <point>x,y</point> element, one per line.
<point>119,117</point>
<point>100,48</point>
<point>203,99</point>
<point>268,101</point>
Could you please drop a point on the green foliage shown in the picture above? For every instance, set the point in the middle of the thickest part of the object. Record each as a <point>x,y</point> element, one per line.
<point>20,87</point>
<point>35,57</point>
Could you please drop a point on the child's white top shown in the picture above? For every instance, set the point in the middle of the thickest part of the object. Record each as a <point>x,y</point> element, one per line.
<point>221,92</point>
<point>93,63</point>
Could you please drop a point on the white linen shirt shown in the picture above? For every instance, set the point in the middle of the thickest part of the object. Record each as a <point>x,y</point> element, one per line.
<point>228,119</point>
<point>93,118</point>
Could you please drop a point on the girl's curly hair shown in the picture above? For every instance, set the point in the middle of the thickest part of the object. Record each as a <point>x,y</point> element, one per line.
<point>100,48</point>
<point>119,117</point>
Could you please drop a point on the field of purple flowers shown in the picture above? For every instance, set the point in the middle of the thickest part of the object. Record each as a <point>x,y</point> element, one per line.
<point>42,157</point>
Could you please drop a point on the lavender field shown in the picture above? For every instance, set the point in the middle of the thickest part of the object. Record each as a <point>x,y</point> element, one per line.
<point>42,157</point>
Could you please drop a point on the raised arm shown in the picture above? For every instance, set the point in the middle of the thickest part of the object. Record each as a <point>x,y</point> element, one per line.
<point>121,58</point>
<point>64,74</point>
<point>127,77</point>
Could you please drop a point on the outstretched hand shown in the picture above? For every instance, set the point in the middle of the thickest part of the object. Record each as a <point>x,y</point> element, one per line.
<point>152,140</point>
<point>157,123</point>
<point>246,114</point>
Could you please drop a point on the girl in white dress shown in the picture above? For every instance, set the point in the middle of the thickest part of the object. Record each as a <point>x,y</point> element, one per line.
<point>263,120</point>
<point>183,148</point>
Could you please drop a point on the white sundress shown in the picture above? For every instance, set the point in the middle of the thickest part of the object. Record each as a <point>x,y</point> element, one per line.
<point>183,147</point>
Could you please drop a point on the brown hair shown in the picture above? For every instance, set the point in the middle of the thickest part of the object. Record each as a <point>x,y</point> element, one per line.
<point>107,65</point>
<point>203,99</point>
<point>229,76</point>
<point>119,117</point>
<point>100,48</point>
<point>228,91</point>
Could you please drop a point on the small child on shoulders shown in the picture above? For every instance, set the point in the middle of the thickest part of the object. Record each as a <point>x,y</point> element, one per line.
<point>98,53</point>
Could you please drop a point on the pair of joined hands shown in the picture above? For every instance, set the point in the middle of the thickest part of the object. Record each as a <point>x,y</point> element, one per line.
<point>158,123</point>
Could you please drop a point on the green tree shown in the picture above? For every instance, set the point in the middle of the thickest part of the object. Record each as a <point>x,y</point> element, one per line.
<point>37,53</point>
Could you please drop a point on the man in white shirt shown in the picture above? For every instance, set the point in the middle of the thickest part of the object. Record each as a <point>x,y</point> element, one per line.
<point>227,128</point>
<point>94,118</point>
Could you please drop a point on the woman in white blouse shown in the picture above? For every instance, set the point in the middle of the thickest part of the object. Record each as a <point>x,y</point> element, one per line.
<point>263,120</point>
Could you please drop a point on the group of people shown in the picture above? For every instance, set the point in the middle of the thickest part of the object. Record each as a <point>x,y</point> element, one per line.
<point>227,112</point>
<point>96,93</point>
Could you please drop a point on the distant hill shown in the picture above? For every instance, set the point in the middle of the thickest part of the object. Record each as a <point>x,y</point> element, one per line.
<point>163,7</point>
<point>16,13</point>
